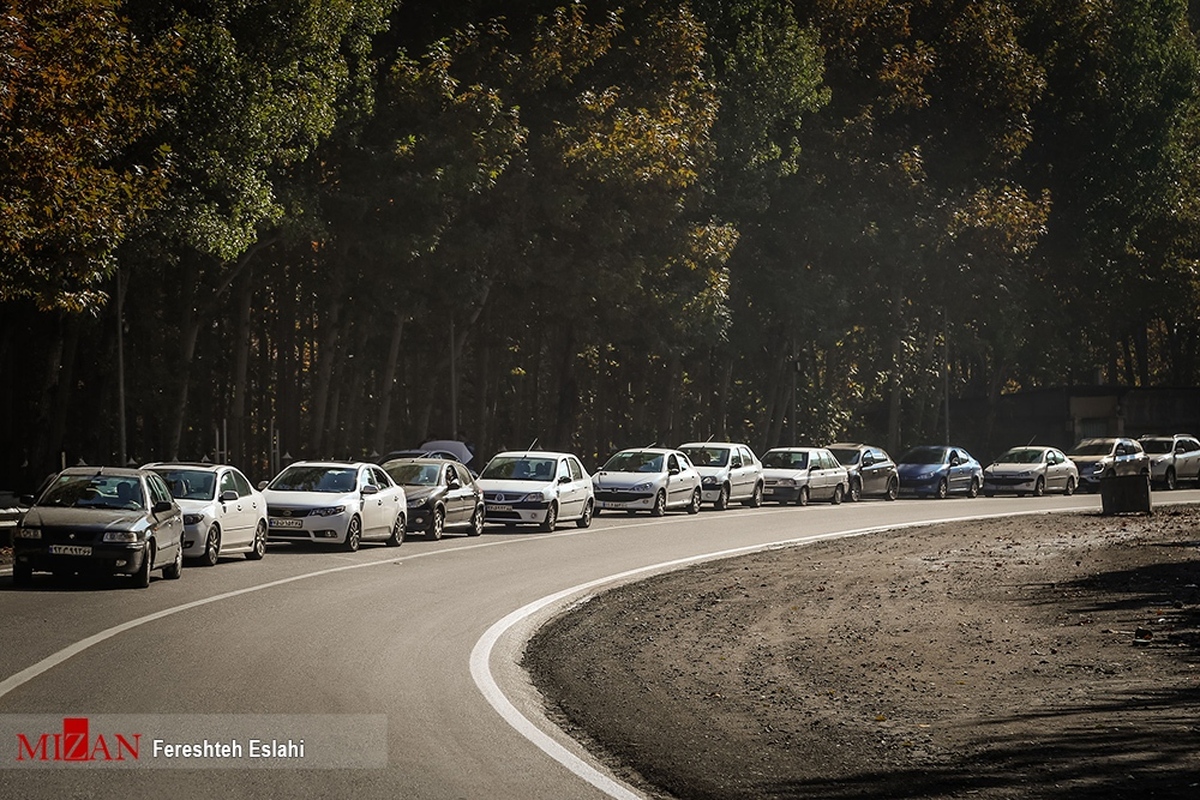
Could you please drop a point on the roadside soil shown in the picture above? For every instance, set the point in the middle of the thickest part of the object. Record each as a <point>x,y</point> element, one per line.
<point>1031,657</point>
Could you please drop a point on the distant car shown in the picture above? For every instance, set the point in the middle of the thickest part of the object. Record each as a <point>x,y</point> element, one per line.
<point>1172,458</point>
<point>222,513</point>
<point>871,470</point>
<point>1031,470</point>
<point>335,502</point>
<point>939,471</point>
<point>441,495</point>
<point>729,472</point>
<point>650,479</point>
<point>105,520</point>
<point>1108,457</point>
<point>800,474</point>
<point>537,487</point>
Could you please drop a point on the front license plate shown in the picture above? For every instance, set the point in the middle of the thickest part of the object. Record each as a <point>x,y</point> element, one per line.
<point>495,507</point>
<point>278,522</point>
<point>70,550</point>
<point>610,504</point>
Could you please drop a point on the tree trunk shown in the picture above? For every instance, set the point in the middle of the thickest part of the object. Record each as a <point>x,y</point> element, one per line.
<point>237,447</point>
<point>326,357</point>
<point>387,385</point>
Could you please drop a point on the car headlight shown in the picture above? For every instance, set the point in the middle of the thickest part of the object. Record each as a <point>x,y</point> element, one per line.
<point>328,512</point>
<point>534,497</point>
<point>710,480</point>
<point>29,533</point>
<point>419,502</point>
<point>122,537</point>
<point>643,487</point>
<point>786,482</point>
<point>192,519</point>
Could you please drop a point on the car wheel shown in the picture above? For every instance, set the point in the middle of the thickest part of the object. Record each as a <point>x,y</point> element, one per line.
<point>173,570</point>
<point>476,528</point>
<point>893,489</point>
<point>1039,488</point>
<point>398,530</point>
<point>22,574</point>
<point>973,490</point>
<point>943,489</point>
<point>756,499</point>
<point>660,505</point>
<point>837,495</point>
<point>802,496</point>
<point>586,520</point>
<point>697,500</point>
<point>259,548</point>
<point>1070,488</point>
<point>212,546</point>
<point>437,524</point>
<point>855,493</point>
<point>1170,481</point>
<point>141,578</point>
<point>551,520</point>
<point>722,498</point>
<point>353,535</point>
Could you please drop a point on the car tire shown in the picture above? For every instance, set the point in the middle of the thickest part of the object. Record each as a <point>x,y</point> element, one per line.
<point>973,491</point>
<point>476,528</point>
<point>22,574</point>
<point>722,502</point>
<point>855,493</point>
<point>838,494</point>
<point>802,496</point>
<point>1169,481</point>
<point>756,499</point>
<point>697,501</point>
<point>943,490</point>
<point>258,548</point>
<point>660,505</point>
<point>141,578</point>
<point>174,570</point>
<point>437,524</point>
<point>212,546</point>
<point>586,520</point>
<point>893,490</point>
<point>1070,487</point>
<point>1039,488</point>
<point>551,520</point>
<point>398,530</point>
<point>353,535</point>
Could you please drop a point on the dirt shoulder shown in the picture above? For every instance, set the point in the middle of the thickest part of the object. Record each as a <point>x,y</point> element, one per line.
<point>1029,657</point>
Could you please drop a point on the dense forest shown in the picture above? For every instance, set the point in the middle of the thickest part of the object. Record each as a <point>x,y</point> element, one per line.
<point>332,228</point>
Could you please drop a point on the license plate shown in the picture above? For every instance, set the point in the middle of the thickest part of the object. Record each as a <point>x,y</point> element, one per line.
<point>70,550</point>
<point>277,522</point>
<point>610,504</point>
<point>494,507</point>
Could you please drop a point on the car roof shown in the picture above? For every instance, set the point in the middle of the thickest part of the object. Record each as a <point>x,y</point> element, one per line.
<point>123,472</point>
<point>534,454</point>
<point>422,460</point>
<point>202,465</point>
<point>854,445</point>
<point>354,464</point>
<point>796,449</point>
<point>713,444</point>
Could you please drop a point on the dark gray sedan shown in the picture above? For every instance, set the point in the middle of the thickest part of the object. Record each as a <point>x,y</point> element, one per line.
<point>100,520</point>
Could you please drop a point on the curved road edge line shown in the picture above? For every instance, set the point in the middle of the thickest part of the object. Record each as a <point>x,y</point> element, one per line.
<point>481,653</point>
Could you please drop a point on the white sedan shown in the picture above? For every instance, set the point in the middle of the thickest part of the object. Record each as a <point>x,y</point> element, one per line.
<point>1031,470</point>
<point>222,513</point>
<point>335,502</point>
<point>648,479</point>
<point>537,487</point>
<point>799,474</point>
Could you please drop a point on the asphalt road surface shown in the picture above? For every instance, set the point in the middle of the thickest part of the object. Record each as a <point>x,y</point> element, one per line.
<point>427,636</point>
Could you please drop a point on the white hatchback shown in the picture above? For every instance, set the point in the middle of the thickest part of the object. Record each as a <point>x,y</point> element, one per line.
<point>729,472</point>
<point>222,513</point>
<point>537,487</point>
<point>648,479</point>
<point>335,502</point>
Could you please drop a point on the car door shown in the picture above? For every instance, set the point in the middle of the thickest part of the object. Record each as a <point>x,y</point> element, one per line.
<point>254,507</point>
<point>959,471</point>
<point>460,497</point>
<point>676,479</point>
<point>748,473</point>
<point>390,505</point>
<point>233,514</point>
<point>1187,459</point>
<point>570,501</point>
<point>373,500</point>
<point>581,480</point>
<point>168,528</point>
<point>869,471</point>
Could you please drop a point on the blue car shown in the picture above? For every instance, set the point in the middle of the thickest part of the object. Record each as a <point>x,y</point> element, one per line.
<point>938,471</point>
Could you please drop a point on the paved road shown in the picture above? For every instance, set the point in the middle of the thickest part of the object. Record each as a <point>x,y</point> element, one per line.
<point>379,632</point>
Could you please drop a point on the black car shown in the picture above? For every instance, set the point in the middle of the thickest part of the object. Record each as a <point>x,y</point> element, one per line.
<point>442,495</point>
<point>871,470</point>
<point>100,520</point>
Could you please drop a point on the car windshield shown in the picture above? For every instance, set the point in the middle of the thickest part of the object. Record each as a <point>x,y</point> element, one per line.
<point>1021,455</point>
<point>189,484</point>
<point>848,456</point>
<point>1100,448</point>
<point>94,491</point>
<point>924,455</point>
<point>1158,445</point>
<point>519,468</point>
<point>333,480</point>
<point>635,461</point>
<point>707,456</point>
<point>414,474</point>
<point>784,459</point>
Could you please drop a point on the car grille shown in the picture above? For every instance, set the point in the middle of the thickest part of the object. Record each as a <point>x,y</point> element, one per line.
<point>286,511</point>
<point>71,536</point>
<point>615,496</point>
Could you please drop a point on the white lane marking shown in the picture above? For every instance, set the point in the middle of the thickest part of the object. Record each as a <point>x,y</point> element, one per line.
<point>481,654</point>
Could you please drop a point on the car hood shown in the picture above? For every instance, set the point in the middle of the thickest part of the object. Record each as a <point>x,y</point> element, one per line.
<point>1009,467</point>
<point>193,506</point>
<point>625,480</point>
<point>93,518</point>
<point>310,499</point>
<point>776,473</point>
<point>712,472</point>
<point>419,494</point>
<point>1082,460</point>
<point>920,469</point>
<point>511,487</point>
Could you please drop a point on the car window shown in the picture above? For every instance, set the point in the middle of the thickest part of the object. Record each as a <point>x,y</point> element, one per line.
<point>243,484</point>
<point>158,489</point>
<point>227,483</point>
<point>672,462</point>
<point>576,469</point>
<point>563,470</point>
<point>748,458</point>
<point>365,478</point>
<point>464,475</point>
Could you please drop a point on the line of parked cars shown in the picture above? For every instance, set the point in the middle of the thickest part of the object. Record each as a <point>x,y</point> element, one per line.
<point>127,521</point>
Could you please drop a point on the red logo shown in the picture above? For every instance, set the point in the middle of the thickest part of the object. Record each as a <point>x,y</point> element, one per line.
<point>76,743</point>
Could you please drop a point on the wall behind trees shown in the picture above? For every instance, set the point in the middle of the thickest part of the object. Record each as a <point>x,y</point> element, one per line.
<point>353,226</point>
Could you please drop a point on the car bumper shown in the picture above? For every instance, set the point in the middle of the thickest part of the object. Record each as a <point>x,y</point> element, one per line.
<point>1001,485</point>
<point>625,501</point>
<point>322,530</point>
<point>520,513</point>
<point>112,559</point>
<point>781,494</point>
<point>920,486</point>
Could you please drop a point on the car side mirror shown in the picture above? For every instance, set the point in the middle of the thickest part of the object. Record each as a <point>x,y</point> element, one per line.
<point>673,471</point>
<point>162,507</point>
<point>262,485</point>
<point>736,463</point>
<point>1181,448</point>
<point>370,489</point>
<point>565,479</point>
<point>229,496</point>
<point>955,461</point>
<point>867,461</point>
<point>26,500</point>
